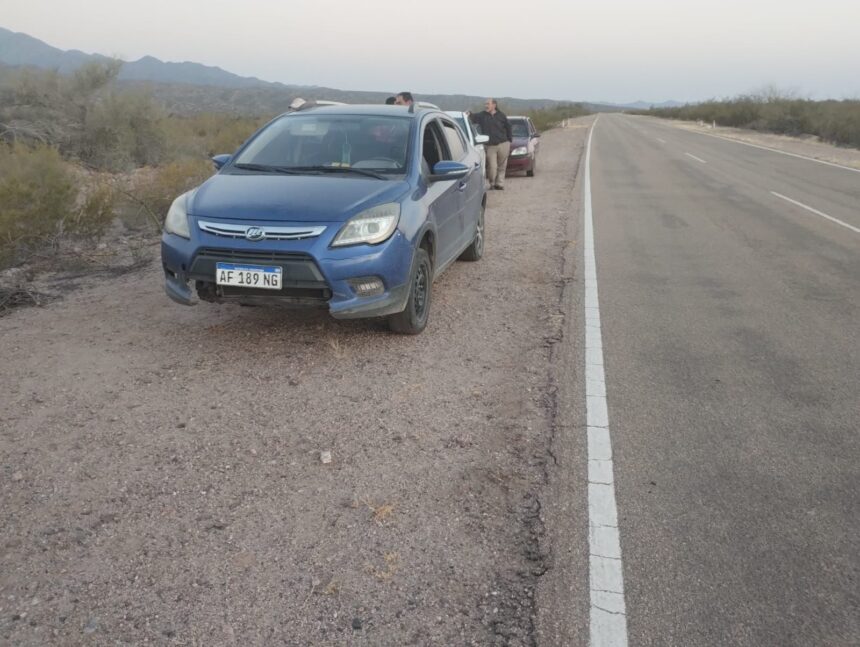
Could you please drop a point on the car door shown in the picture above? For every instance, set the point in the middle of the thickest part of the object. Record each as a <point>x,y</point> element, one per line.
<point>471,186</point>
<point>445,197</point>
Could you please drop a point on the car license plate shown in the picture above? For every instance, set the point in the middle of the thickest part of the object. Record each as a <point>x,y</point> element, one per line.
<point>248,276</point>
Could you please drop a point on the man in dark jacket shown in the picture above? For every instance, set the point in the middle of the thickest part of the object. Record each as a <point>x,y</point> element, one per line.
<point>495,125</point>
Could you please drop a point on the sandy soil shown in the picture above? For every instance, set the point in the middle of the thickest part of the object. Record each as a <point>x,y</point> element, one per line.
<point>161,467</point>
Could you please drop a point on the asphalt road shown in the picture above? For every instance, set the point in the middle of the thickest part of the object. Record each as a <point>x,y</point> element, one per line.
<point>731,336</point>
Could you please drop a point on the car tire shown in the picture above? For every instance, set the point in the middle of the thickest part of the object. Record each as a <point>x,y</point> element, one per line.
<point>531,171</point>
<point>475,251</point>
<point>414,317</point>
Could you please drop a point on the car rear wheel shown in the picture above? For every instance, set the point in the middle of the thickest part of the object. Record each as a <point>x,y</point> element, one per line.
<point>413,319</point>
<point>475,251</point>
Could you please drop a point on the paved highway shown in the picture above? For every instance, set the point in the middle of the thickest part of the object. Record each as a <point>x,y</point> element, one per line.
<point>729,307</point>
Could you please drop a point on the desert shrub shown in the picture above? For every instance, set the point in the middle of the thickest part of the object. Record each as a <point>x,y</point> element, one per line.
<point>208,134</point>
<point>95,212</point>
<point>153,193</point>
<point>837,122</point>
<point>37,194</point>
<point>122,131</point>
<point>84,116</point>
<point>546,118</point>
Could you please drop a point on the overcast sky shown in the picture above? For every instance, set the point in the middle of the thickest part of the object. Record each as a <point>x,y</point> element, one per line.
<point>603,50</point>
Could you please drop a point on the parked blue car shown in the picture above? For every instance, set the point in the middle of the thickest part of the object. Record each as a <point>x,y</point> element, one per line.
<point>353,208</point>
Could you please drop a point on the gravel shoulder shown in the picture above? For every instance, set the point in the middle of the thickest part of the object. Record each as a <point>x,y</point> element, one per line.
<point>161,467</point>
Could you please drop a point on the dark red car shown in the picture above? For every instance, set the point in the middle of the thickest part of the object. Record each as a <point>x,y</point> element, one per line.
<point>524,147</point>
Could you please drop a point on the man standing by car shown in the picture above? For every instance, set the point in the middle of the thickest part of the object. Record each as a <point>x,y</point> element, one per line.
<point>404,99</point>
<point>494,123</point>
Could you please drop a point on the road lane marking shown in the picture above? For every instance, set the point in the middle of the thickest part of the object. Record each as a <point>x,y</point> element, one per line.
<point>607,613</point>
<point>817,212</point>
<point>776,150</point>
<point>698,159</point>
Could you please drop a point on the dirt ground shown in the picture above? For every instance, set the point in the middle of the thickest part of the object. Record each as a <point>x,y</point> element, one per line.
<point>161,467</point>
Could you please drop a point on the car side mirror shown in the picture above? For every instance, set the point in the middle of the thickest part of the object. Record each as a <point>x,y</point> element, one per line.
<point>536,135</point>
<point>221,160</point>
<point>448,170</point>
<point>482,139</point>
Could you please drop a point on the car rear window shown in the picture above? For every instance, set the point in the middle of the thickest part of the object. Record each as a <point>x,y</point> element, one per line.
<point>519,127</point>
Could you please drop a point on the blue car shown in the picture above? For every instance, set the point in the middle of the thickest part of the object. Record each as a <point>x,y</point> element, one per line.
<point>352,208</point>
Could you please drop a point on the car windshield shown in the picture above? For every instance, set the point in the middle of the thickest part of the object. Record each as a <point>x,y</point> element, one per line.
<point>519,128</point>
<point>319,142</point>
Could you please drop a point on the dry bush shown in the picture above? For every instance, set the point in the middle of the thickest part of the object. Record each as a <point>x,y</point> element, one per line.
<point>208,134</point>
<point>37,193</point>
<point>773,111</point>
<point>152,195</point>
<point>95,212</point>
<point>42,199</point>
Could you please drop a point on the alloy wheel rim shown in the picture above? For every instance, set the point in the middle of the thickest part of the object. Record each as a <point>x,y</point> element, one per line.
<point>479,233</point>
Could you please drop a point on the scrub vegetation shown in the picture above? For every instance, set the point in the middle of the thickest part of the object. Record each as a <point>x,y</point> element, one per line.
<point>79,151</point>
<point>546,118</point>
<point>76,152</point>
<point>837,122</point>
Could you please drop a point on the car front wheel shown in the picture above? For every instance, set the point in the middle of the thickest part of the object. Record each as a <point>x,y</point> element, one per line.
<point>413,319</point>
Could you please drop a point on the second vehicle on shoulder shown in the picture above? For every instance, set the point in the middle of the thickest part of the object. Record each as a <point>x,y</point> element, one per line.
<point>473,135</point>
<point>524,147</point>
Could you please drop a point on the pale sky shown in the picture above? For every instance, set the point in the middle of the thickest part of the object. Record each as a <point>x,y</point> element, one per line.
<point>603,50</point>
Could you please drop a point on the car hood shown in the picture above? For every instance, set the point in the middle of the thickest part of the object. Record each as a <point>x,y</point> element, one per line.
<point>302,198</point>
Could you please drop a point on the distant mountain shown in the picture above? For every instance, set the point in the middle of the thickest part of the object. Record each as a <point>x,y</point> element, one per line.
<point>18,49</point>
<point>193,87</point>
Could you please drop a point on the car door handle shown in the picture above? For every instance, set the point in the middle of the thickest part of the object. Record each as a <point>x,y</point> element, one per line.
<point>462,186</point>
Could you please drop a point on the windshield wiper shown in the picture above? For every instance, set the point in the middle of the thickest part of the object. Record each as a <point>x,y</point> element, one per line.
<point>338,169</point>
<point>266,168</point>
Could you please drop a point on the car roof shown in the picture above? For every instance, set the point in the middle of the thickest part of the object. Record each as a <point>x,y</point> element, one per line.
<point>364,109</point>
<point>518,117</point>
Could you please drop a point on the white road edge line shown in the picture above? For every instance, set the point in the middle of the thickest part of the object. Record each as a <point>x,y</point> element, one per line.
<point>817,212</point>
<point>776,150</point>
<point>698,159</point>
<point>607,613</point>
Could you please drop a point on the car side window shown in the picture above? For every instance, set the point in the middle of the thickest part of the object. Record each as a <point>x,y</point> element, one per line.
<point>432,148</point>
<point>455,141</point>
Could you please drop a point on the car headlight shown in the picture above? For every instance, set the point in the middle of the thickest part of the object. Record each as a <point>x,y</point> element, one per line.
<point>371,226</point>
<point>520,150</point>
<point>177,217</point>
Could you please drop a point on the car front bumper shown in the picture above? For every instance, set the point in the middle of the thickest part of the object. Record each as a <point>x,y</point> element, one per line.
<point>314,274</point>
<point>520,163</point>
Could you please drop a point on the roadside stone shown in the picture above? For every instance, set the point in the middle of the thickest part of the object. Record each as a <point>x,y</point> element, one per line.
<point>356,624</point>
<point>325,458</point>
<point>91,626</point>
